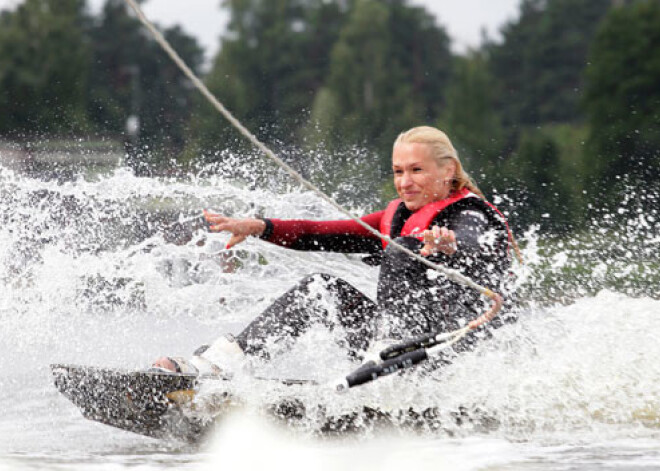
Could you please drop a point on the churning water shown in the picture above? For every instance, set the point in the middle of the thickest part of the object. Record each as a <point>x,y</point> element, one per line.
<point>114,271</point>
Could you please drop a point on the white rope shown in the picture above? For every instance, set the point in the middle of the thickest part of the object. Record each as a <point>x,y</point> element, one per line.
<point>448,272</point>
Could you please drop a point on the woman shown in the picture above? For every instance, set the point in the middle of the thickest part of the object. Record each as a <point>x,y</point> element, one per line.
<point>441,214</point>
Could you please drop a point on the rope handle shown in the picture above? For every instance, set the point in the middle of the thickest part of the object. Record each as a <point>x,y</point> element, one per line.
<point>412,352</point>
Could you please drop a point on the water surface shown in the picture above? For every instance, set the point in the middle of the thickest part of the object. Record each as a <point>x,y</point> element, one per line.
<point>90,273</point>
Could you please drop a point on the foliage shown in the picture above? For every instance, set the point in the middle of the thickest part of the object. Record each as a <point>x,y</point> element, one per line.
<point>538,81</point>
<point>43,67</point>
<point>547,171</point>
<point>470,117</point>
<point>388,72</point>
<point>538,66</point>
<point>63,72</point>
<point>272,60</point>
<point>131,75</point>
<point>623,93</point>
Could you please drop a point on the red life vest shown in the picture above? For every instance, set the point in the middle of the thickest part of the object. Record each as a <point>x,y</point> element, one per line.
<point>421,219</point>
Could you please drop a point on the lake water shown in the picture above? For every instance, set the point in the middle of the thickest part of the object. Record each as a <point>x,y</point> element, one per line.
<point>89,274</point>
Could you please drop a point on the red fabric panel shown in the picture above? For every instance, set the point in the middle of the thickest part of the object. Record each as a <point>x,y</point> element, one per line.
<point>287,231</point>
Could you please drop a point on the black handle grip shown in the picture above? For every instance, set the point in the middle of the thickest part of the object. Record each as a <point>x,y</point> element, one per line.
<point>370,371</point>
<point>423,341</point>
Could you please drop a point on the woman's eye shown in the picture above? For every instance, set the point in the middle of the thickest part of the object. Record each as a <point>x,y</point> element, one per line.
<point>398,172</point>
<point>417,169</point>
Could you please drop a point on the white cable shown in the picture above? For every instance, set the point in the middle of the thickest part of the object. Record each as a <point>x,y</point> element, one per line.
<point>448,272</point>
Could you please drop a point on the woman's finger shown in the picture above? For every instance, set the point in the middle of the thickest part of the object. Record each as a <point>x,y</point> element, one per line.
<point>222,226</point>
<point>439,239</point>
<point>429,242</point>
<point>235,239</point>
<point>449,243</point>
<point>215,218</point>
<point>436,233</point>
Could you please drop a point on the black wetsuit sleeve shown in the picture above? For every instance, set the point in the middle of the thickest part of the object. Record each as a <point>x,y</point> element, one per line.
<point>481,246</point>
<point>472,229</point>
<point>469,226</point>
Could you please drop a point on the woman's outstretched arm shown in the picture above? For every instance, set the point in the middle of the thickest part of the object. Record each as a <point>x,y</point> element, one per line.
<point>345,236</point>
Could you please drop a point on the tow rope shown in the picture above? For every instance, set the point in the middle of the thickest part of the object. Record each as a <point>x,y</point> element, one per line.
<point>400,356</point>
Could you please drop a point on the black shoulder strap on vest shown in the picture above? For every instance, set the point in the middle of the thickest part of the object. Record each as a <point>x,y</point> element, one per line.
<point>400,217</point>
<point>494,219</point>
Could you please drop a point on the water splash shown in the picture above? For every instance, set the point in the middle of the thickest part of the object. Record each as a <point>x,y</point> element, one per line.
<point>117,270</point>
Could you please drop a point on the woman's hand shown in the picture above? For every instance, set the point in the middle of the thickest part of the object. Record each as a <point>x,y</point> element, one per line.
<point>439,239</point>
<point>240,228</point>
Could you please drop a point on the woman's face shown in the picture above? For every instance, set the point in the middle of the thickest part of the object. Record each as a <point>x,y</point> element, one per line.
<point>418,178</point>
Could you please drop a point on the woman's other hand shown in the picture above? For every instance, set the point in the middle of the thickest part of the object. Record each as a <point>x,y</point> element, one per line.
<point>240,229</point>
<point>439,239</point>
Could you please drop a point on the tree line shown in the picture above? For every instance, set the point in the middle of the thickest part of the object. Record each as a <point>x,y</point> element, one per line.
<point>558,114</point>
<point>65,73</point>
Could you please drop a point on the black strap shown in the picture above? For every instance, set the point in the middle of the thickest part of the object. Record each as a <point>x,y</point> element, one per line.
<point>372,370</point>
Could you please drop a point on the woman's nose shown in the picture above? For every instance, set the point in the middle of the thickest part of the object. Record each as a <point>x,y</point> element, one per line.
<point>405,179</point>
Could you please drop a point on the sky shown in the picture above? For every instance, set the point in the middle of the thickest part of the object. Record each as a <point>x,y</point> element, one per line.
<point>464,20</point>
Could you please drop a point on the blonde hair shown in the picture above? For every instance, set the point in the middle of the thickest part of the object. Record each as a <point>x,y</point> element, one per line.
<point>441,150</point>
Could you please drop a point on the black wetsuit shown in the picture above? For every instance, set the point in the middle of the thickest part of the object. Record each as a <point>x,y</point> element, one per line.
<point>412,299</point>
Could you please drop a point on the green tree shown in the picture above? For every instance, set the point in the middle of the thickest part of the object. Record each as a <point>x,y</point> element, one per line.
<point>538,83</point>
<point>534,169</point>
<point>470,117</point>
<point>131,75</point>
<point>388,72</point>
<point>44,57</point>
<point>539,64</point>
<point>548,175</point>
<point>272,60</point>
<point>114,82</point>
<point>622,100</point>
